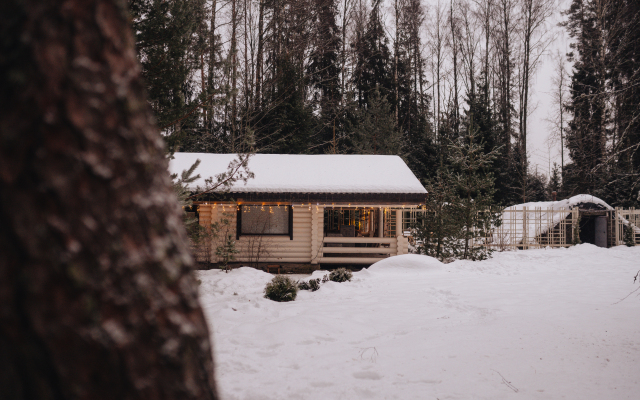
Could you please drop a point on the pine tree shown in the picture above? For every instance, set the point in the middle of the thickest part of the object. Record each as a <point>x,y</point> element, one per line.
<point>285,122</point>
<point>439,228</point>
<point>372,69</point>
<point>412,104</point>
<point>375,130</point>
<point>227,252</point>
<point>628,236</point>
<point>604,134</point>
<point>554,184</point>
<point>586,133</point>
<point>166,35</point>
<point>474,183</point>
<point>323,70</point>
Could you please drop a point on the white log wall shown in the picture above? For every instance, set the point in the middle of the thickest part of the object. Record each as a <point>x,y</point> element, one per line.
<point>275,249</point>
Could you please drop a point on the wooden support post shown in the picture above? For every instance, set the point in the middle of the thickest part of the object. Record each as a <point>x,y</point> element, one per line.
<point>575,214</point>
<point>633,221</point>
<point>616,222</point>
<point>381,222</point>
<point>525,230</point>
<point>206,221</point>
<point>317,233</point>
<point>399,237</point>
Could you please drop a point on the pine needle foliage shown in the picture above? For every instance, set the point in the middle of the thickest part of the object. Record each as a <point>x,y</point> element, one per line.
<point>376,131</point>
<point>438,230</point>
<point>340,275</point>
<point>628,236</point>
<point>181,189</point>
<point>281,289</point>
<point>312,285</point>
<point>475,186</point>
<point>227,252</point>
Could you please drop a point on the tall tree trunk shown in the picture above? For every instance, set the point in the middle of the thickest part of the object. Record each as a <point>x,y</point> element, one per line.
<point>97,296</point>
<point>454,48</point>
<point>234,74</point>
<point>212,60</point>
<point>259,56</point>
<point>487,45</point>
<point>247,89</point>
<point>396,47</point>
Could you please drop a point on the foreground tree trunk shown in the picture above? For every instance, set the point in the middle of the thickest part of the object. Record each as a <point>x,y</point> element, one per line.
<point>97,300</point>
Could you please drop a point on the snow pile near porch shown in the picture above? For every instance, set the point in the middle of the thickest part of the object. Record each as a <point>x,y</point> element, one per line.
<point>323,173</point>
<point>534,324</point>
<point>408,262</point>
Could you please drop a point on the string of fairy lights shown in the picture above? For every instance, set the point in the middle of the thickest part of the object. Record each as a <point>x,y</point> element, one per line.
<point>246,207</point>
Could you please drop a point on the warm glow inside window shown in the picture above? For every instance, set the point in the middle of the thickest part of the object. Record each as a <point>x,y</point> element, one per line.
<point>265,220</point>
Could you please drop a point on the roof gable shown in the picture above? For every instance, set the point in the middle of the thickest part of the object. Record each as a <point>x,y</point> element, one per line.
<point>324,173</point>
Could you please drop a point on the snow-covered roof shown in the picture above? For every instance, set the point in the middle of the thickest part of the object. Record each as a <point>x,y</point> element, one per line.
<point>564,204</point>
<point>324,173</point>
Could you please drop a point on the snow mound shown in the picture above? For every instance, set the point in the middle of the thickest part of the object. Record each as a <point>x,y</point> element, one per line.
<point>244,280</point>
<point>406,262</point>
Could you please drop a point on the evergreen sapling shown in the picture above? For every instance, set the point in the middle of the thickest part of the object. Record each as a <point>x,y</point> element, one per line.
<point>340,275</point>
<point>628,238</point>
<point>227,252</point>
<point>281,289</point>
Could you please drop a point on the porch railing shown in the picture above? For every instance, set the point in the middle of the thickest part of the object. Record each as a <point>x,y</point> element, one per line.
<point>361,250</point>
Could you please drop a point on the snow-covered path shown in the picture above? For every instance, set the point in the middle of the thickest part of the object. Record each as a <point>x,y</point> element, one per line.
<point>535,324</point>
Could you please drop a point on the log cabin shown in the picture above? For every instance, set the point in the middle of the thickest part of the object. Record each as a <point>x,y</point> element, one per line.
<point>307,209</point>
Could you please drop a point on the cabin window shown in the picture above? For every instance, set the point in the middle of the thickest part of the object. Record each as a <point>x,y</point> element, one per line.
<point>264,220</point>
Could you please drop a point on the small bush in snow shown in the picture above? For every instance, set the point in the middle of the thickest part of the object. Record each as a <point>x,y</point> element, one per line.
<point>303,285</point>
<point>281,288</point>
<point>313,285</point>
<point>340,275</point>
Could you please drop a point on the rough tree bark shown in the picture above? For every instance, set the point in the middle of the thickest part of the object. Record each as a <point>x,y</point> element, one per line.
<point>97,299</point>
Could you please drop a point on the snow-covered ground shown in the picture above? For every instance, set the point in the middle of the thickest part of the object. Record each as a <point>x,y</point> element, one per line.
<point>533,324</point>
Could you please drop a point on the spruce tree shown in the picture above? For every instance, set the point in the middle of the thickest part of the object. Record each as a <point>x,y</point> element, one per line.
<point>555,183</point>
<point>375,130</point>
<point>474,183</point>
<point>412,104</point>
<point>372,64</point>
<point>166,35</point>
<point>323,71</point>
<point>439,228</point>
<point>227,251</point>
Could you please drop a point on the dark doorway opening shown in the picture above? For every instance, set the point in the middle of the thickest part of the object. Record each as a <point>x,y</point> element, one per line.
<point>593,229</point>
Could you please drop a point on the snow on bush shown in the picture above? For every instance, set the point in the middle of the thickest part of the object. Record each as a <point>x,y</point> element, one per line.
<point>281,289</point>
<point>340,275</point>
<point>313,285</point>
